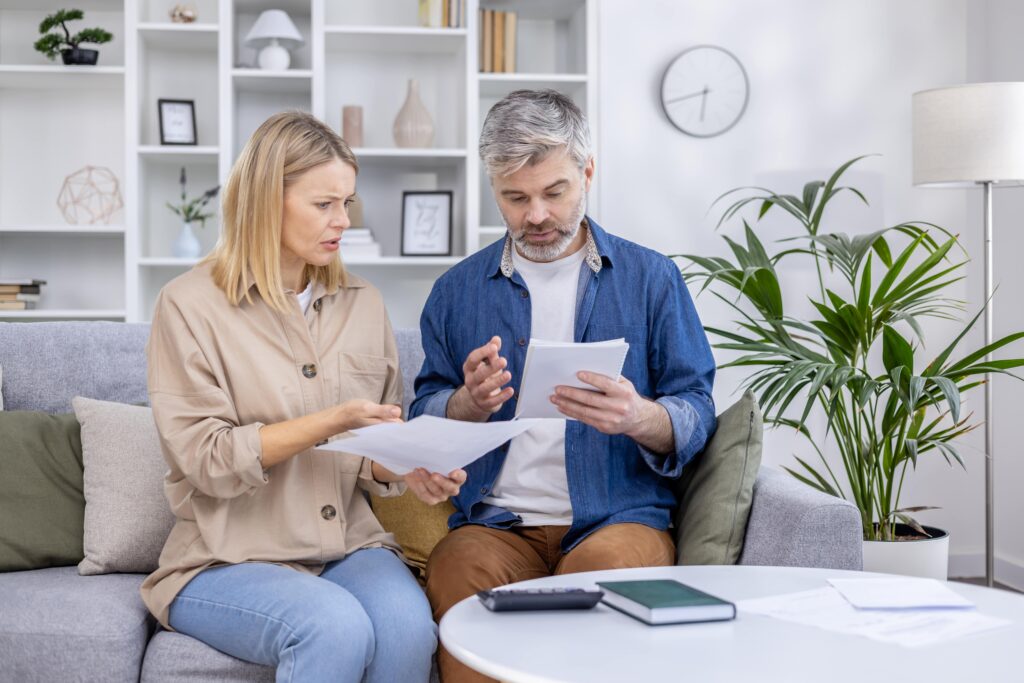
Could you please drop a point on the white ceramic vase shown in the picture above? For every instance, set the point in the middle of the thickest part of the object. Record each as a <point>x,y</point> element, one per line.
<point>413,125</point>
<point>925,557</point>
<point>187,244</point>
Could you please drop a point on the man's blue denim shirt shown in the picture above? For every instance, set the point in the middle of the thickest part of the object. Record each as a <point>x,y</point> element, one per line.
<point>637,294</point>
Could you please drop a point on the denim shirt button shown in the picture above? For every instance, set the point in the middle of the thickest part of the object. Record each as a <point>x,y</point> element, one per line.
<point>525,294</point>
<point>483,489</point>
<point>522,341</point>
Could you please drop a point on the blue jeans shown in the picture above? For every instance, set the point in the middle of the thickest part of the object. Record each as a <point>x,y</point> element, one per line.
<point>363,618</point>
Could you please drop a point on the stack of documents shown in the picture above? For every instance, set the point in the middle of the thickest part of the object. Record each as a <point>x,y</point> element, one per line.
<point>551,364</point>
<point>905,611</point>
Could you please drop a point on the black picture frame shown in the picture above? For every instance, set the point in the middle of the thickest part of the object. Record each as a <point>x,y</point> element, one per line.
<point>427,223</point>
<point>169,135</point>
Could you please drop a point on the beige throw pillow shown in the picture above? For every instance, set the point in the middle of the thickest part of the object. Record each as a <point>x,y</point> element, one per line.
<point>127,517</point>
<point>717,488</point>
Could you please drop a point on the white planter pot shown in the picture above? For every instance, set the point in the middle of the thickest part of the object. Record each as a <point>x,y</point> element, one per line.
<point>927,557</point>
<point>187,244</point>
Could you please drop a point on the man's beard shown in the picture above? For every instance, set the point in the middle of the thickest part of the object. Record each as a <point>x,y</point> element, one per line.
<point>549,252</point>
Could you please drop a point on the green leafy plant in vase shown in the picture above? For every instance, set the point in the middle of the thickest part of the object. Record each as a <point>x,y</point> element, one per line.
<point>884,411</point>
<point>62,42</point>
<point>190,210</point>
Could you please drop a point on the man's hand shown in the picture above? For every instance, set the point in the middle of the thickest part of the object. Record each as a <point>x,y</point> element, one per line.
<point>483,391</point>
<point>433,488</point>
<point>617,408</point>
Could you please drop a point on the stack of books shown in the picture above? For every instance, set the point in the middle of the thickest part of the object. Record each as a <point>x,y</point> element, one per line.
<point>443,13</point>
<point>358,243</point>
<point>19,295</point>
<point>497,41</point>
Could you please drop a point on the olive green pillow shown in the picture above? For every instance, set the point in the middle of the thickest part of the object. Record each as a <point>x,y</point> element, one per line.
<point>41,501</point>
<point>417,527</point>
<point>717,487</point>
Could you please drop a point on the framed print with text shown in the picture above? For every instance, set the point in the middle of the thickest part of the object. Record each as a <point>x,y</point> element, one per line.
<point>427,223</point>
<point>177,122</point>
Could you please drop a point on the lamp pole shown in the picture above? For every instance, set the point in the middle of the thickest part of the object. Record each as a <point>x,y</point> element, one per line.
<point>989,433</point>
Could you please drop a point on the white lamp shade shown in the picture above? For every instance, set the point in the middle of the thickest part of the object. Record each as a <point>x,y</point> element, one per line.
<point>968,134</point>
<point>274,24</point>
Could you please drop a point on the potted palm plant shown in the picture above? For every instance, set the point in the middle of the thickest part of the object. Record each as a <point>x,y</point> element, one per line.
<point>883,411</point>
<point>62,42</point>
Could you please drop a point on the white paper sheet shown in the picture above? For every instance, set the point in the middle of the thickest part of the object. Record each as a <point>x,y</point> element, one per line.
<point>899,593</point>
<point>434,443</point>
<point>551,364</point>
<point>827,609</point>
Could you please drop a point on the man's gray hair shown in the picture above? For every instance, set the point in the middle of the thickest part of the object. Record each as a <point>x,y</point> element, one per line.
<point>526,125</point>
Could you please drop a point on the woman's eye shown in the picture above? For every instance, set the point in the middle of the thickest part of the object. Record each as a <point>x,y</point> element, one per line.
<point>323,205</point>
<point>349,202</point>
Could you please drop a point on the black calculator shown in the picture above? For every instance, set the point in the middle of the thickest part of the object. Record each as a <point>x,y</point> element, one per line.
<point>523,599</point>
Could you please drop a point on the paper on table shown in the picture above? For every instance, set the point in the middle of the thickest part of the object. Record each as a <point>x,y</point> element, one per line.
<point>434,443</point>
<point>826,609</point>
<point>899,593</point>
<point>550,364</point>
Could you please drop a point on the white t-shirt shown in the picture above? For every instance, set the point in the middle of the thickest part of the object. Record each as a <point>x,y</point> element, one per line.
<point>532,483</point>
<point>306,297</point>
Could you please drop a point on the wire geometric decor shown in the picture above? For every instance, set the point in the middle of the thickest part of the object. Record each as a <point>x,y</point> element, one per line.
<point>90,195</point>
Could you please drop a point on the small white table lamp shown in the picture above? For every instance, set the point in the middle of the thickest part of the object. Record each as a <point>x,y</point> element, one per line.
<point>274,25</point>
<point>965,136</point>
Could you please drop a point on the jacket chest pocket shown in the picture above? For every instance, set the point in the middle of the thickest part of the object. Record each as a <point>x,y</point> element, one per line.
<point>361,376</point>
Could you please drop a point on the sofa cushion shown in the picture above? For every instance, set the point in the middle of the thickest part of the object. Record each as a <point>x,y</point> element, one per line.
<point>174,657</point>
<point>1,387</point>
<point>417,527</point>
<point>56,626</point>
<point>47,364</point>
<point>41,503</point>
<point>717,488</point>
<point>127,518</point>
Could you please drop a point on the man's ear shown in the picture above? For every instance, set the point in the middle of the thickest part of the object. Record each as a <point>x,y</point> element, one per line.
<point>588,174</point>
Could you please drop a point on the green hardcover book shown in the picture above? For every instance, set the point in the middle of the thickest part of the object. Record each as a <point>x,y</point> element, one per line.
<point>664,601</point>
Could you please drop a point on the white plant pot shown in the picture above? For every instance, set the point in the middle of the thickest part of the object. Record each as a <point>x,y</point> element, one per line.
<point>926,557</point>
<point>187,244</point>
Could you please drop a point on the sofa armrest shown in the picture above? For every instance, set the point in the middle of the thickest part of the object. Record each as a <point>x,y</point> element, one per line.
<point>794,525</point>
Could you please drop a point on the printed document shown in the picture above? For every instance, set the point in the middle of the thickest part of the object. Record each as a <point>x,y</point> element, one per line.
<point>551,364</point>
<point>434,443</point>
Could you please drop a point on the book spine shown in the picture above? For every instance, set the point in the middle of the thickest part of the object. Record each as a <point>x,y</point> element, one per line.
<point>510,42</point>
<point>499,42</point>
<point>488,41</point>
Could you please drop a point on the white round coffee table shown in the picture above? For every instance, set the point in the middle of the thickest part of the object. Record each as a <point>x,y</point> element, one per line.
<point>605,645</point>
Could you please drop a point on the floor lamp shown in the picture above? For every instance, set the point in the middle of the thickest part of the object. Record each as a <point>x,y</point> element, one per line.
<point>965,136</point>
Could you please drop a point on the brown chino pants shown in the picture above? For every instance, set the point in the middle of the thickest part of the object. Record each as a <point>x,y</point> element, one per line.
<point>474,558</point>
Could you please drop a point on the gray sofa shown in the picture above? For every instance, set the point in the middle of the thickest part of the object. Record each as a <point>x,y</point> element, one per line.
<point>57,625</point>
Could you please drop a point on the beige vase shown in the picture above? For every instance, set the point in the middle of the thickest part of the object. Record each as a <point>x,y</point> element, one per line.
<point>413,125</point>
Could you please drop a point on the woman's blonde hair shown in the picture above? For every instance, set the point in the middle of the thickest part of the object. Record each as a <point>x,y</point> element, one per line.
<point>283,148</point>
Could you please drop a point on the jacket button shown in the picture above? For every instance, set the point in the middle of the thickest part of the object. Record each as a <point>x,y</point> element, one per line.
<point>328,512</point>
<point>317,305</point>
<point>309,370</point>
<point>522,341</point>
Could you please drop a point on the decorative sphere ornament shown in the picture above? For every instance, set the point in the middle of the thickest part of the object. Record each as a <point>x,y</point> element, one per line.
<point>90,195</point>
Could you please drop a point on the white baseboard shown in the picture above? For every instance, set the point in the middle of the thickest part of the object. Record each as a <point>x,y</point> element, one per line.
<point>967,565</point>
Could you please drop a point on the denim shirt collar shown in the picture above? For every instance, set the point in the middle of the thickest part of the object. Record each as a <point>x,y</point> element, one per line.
<point>597,252</point>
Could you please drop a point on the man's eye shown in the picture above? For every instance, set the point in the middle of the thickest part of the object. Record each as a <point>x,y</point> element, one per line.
<point>554,195</point>
<point>519,200</point>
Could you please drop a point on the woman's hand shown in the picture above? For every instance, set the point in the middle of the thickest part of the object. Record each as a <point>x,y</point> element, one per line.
<point>362,413</point>
<point>433,488</point>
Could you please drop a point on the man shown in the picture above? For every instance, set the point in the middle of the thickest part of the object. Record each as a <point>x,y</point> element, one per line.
<point>592,492</point>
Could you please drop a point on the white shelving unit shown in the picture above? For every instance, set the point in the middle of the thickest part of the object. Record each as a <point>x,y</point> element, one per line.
<point>357,52</point>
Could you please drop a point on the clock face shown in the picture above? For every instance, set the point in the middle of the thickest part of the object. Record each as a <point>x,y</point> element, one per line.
<point>704,91</point>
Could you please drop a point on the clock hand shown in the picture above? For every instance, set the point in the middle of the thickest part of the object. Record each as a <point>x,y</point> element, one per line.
<point>699,93</point>
<point>703,101</point>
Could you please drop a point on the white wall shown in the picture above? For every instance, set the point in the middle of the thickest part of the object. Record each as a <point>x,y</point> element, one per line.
<point>829,81</point>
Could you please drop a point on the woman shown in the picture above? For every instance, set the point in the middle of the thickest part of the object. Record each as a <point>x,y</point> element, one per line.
<point>257,356</point>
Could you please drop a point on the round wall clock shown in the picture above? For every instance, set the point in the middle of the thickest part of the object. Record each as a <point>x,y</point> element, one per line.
<point>704,91</point>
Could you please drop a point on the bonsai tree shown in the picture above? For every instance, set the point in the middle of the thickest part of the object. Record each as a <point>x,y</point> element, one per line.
<point>52,44</point>
<point>191,210</point>
<point>883,410</point>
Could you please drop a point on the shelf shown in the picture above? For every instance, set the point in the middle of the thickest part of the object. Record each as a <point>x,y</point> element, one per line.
<point>404,157</point>
<point>493,230</point>
<point>64,314</point>
<point>258,80</point>
<point>179,154</point>
<point>51,5</point>
<point>169,36</point>
<point>167,262</point>
<point>499,84</point>
<point>98,230</point>
<point>390,39</point>
<point>60,77</point>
